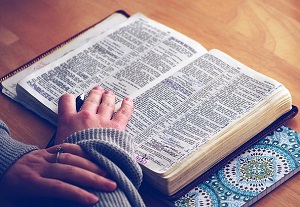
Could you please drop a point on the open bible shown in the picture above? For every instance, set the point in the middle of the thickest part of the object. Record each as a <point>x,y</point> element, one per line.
<point>193,107</point>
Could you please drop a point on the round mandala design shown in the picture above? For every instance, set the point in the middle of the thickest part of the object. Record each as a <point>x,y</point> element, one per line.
<point>201,196</point>
<point>256,169</point>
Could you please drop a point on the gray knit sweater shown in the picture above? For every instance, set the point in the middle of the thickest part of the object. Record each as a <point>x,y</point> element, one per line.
<point>112,149</point>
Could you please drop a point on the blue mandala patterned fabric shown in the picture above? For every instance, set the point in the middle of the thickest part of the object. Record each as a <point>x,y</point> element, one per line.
<point>250,175</point>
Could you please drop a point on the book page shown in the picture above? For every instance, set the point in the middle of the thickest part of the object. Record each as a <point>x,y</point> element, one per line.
<point>189,108</point>
<point>123,60</point>
<point>9,85</point>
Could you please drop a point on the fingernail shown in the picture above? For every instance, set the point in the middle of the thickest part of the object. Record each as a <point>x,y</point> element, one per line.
<point>98,87</point>
<point>92,199</point>
<point>111,185</point>
<point>108,92</point>
<point>128,99</point>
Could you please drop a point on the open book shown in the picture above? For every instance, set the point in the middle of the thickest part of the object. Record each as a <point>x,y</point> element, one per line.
<point>193,107</point>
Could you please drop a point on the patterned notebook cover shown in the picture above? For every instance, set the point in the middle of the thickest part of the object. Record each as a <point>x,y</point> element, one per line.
<point>251,175</point>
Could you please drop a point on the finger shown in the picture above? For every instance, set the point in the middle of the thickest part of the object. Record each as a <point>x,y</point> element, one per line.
<point>107,106</point>
<point>66,104</point>
<point>73,155</point>
<point>68,147</point>
<point>79,177</point>
<point>123,115</point>
<point>93,100</point>
<point>80,162</point>
<point>60,190</point>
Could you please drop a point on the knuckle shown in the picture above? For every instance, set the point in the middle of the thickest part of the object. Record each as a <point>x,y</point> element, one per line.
<point>127,106</point>
<point>66,157</point>
<point>124,111</point>
<point>86,114</point>
<point>96,91</point>
<point>108,105</point>
<point>117,125</point>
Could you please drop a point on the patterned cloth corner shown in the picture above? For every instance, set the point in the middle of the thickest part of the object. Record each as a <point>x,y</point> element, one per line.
<point>250,175</point>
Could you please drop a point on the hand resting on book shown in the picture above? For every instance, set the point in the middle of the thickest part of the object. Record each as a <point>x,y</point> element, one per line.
<point>44,173</point>
<point>37,174</point>
<point>92,114</point>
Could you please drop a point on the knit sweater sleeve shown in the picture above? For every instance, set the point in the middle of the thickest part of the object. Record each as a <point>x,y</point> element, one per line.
<point>113,150</point>
<point>10,150</point>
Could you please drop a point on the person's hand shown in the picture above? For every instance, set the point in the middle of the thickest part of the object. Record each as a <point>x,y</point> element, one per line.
<point>96,112</point>
<point>37,174</point>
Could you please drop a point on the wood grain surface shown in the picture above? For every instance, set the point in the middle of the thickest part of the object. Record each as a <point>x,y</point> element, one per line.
<point>263,34</point>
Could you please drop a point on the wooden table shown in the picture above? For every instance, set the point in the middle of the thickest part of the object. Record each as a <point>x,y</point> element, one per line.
<point>263,34</point>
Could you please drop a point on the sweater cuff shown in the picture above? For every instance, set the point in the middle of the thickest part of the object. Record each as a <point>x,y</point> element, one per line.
<point>11,150</point>
<point>113,144</point>
<point>115,137</point>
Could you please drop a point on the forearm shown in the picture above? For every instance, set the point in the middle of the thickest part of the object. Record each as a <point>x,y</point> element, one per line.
<point>10,149</point>
<point>113,150</point>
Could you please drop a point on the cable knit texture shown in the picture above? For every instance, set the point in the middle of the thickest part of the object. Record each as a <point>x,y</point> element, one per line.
<point>113,150</point>
<point>10,149</point>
